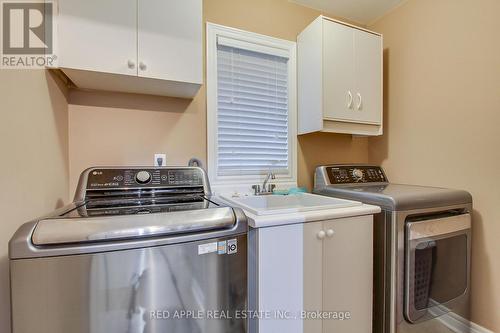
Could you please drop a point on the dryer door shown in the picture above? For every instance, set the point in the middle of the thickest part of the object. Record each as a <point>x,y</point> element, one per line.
<point>437,265</point>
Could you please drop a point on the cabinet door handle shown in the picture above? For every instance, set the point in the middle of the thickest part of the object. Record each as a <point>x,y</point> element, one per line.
<point>330,232</point>
<point>131,64</point>
<point>142,66</point>
<point>321,234</point>
<point>360,101</point>
<point>349,100</point>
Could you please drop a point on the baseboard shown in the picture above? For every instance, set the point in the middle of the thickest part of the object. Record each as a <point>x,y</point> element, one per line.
<point>459,324</point>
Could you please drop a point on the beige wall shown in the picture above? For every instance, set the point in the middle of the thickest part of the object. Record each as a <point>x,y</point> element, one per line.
<point>107,128</point>
<point>125,129</point>
<point>442,112</point>
<point>442,64</point>
<point>34,155</point>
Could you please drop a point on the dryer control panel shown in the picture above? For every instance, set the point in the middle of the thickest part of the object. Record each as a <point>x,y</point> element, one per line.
<point>352,174</point>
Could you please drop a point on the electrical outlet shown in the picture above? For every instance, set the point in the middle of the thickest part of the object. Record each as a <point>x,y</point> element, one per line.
<point>160,160</point>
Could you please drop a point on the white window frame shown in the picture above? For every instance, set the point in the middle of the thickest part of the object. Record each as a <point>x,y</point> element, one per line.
<point>242,183</point>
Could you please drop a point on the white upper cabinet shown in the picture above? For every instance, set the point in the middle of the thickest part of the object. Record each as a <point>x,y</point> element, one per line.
<point>170,40</point>
<point>338,72</point>
<point>339,79</point>
<point>140,46</point>
<point>89,38</point>
<point>368,76</point>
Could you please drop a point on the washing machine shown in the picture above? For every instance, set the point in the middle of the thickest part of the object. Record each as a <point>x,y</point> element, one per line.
<point>140,249</point>
<point>422,248</point>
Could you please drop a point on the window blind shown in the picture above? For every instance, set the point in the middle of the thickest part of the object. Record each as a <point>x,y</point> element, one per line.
<point>252,112</point>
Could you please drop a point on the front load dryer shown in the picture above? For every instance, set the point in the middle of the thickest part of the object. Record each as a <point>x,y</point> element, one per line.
<point>422,248</point>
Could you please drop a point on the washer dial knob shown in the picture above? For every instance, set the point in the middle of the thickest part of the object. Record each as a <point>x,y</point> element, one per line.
<point>143,177</point>
<point>358,174</point>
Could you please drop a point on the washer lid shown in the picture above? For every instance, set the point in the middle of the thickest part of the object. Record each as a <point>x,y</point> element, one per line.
<point>399,197</point>
<point>59,230</point>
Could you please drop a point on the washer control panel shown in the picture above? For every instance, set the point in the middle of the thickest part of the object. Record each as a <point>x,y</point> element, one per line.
<point>349,174</point>
<point>159,177</point>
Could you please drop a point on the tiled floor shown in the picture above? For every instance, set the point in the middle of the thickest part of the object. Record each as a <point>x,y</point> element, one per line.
<point>431,326</point>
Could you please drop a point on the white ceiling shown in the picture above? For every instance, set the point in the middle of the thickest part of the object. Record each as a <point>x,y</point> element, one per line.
<point>361,11</point>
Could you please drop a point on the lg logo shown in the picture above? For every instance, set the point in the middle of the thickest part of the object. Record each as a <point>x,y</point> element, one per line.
<point>27,28</point>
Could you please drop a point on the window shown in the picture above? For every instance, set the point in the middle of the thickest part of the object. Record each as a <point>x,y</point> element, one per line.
<point>251,107</point>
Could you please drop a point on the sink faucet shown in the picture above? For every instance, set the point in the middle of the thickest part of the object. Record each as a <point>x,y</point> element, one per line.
<point>265,188</point>
<point>270,175</point>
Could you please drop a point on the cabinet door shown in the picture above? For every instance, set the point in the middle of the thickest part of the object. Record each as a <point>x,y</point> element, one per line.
<point>170,40</point>
<point>98,36</point>
<point>348,274</point>
<point>338,71</point>
<point>280,278</point>
<point>368,68</point>
<point>313,275</point>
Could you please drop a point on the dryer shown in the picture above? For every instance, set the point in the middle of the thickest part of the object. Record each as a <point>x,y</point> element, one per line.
<point>422,248</point>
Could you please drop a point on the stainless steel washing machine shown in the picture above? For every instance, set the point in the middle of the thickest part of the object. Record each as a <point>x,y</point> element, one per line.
<point>422,253</point>
<point>139,250</point>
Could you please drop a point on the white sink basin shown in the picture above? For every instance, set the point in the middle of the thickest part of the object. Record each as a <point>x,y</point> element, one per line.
<point>282,204</point>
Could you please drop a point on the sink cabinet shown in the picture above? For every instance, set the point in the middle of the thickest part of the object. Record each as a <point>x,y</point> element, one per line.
<point>324,266</point>
<point>338,273</point>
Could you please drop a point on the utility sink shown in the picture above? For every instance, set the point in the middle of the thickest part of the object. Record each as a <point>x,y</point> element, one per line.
<point>283,204</point>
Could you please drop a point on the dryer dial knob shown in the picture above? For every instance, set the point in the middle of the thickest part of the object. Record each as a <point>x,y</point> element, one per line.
<point>358,174</point>
<point>143,177</point>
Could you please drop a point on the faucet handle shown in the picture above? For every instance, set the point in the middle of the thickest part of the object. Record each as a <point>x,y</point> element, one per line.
<point>256,189</point>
